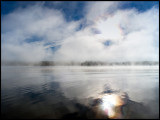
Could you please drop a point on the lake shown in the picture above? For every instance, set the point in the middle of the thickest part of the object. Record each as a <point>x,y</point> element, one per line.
<point>57,91</point>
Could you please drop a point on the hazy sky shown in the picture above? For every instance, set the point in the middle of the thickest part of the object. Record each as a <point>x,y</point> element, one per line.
<point>79,31</point>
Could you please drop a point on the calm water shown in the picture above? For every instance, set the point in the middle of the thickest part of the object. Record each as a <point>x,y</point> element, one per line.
<point>52,92</point>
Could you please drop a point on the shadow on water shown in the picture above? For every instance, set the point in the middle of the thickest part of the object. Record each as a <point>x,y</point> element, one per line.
<point>48,101</point>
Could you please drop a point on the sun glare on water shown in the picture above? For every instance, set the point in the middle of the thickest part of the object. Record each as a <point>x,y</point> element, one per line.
<point>111,105</point>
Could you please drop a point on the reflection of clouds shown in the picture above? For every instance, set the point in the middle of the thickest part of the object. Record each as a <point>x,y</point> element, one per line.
<point>83,82</point>
<point>44,87</point>
<point>47,102</point>
<point>86,81</point>
<point>76,83</point>
<point>20,76</point>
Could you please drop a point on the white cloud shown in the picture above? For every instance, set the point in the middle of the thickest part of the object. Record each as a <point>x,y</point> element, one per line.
<point>95,10</point>
<point>23,24</point>
<point>135,36</point>
<point>134,42</point>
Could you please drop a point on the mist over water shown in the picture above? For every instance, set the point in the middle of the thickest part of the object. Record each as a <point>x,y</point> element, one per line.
<point>55,91</point>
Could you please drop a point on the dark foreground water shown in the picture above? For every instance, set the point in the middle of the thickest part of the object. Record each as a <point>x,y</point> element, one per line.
<point>67,92</point>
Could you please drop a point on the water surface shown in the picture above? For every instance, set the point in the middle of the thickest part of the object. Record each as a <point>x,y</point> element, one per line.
<point>53,91</point>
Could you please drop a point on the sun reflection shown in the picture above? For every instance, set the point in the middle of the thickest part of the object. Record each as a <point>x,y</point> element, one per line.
<point>111,104</point>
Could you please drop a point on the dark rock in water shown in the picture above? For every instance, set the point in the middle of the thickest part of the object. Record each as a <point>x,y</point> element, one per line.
<point>108,90</point>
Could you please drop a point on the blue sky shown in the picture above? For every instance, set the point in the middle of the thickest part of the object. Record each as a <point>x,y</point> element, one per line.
<point>73,10</point>
<point>74,19</point>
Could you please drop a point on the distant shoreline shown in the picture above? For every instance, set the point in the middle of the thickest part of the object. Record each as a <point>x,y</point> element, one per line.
<point>86,63</point>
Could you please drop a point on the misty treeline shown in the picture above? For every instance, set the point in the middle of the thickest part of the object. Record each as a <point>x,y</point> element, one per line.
<point>85,63</point>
